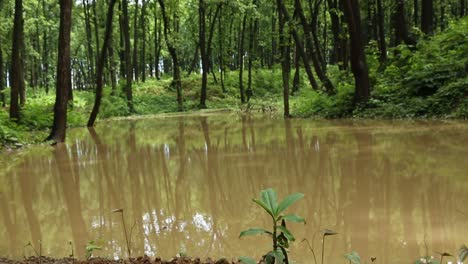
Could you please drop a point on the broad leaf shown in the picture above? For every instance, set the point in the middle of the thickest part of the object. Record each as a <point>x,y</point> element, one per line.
<point>293,218</point>
<point>277,256</point>
<point>286,233</point>
<point>353,257</point>
<point>270,199</point>
<point>254,231</point>
<point>288,201</point>
<point>247,260</point>
<point>462,253</point>
<point>264,206</point>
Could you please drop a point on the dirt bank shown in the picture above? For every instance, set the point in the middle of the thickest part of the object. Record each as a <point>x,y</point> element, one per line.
<point>139,260</point>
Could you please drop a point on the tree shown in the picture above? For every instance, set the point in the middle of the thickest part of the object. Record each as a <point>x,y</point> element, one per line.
<point>63,73</point>
<point>176,79</point>
<point>203,51</point>
<point>101,62</point>
<point>2,78</point>
<point>427,16</point>
<point>128,57</point>
<point>17,75</point>
<point>358,57</point>
<point>285,56</point>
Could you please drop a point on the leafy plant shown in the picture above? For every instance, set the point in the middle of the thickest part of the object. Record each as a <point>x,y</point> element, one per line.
<point>462,253</point>
<point>127,240</point>
<point>280,234</point>
<point>326,232</point>
<point>90,248</point>
<point>353,257</point>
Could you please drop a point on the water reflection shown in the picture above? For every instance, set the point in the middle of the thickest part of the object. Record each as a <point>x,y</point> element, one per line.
<point>185,183</point>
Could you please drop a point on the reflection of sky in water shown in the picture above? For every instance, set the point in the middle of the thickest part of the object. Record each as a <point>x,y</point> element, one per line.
<point>385,187</point>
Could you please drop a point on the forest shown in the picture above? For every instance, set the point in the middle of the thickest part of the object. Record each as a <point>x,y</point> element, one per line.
<point>66,64</point>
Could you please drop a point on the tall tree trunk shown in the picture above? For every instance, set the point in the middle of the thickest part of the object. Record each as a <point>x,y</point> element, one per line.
<point>253,23</point>
<point>241,58</point>
<point>101,62</point>
<point>462,8</point>
<point>143,42</point>
<point>416,13</point>
<point>96,29</point>
<point>128,56</point>
<point>285,56</point>
<point>89,41</point>
<point>221,51</point>
<point>427,16</point>
<point>157,42</point>
<point>17,67</point>
<point>282,11</point>
<point>310,33</point>
<point>2,76</point>
<point>63,73</point>
<point>358,57</point>
<point>176,81</point>
<point>381,27</point>
<point>110,63</point>
<point>400,25</point>
<point>203,51</point>
<point>135,42</point>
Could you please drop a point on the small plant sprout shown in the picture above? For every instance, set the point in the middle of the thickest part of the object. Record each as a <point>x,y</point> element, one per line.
<point>326,232</point>
<point>90,248</point>
<point>120,211</point>
<point>71,249</point>
<point>462,253</point>
<point>280,234</point>
<point>353,258</point>
<point>33,248</point>
<point>442,255</point>
<point>310,248</point>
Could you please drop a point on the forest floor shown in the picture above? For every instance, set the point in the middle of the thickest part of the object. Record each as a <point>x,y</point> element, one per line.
<point>139,260</point>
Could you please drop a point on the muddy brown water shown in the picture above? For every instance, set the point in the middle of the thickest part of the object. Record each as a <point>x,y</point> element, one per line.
<point>393,190</point>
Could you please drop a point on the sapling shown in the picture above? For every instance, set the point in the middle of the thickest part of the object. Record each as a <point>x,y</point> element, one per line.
<point>442,255</point>
<point>326,232</point>
<point>125,230</point>
<point>280,234</point>
<point>462,253</point>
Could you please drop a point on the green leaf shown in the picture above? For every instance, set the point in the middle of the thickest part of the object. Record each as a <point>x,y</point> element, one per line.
<point>254,231</point>
<point>286,233</point>
<point>462,253</point>
<point>270,199</point>
<point>264,206</point>
<point>288,201</point>
<point>247,260</point>
<point>293,218</point>
<point>353,257</point>
<point>277,256</point>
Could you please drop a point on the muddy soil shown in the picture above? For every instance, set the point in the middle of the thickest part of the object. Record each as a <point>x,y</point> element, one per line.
<point>139,260</point>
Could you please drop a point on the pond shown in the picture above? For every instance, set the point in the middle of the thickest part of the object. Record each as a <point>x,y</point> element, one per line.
<point>393,190</point>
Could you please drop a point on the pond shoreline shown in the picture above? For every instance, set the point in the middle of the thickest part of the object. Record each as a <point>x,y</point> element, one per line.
<point>99,260</point>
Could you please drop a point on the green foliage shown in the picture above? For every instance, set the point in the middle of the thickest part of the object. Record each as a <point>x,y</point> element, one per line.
<point>90,248</point>
<point>280,234</point>
<point>462,253</point>
<point>353,257</point>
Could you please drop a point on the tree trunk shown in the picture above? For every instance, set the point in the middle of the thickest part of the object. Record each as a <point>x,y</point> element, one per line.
<point>221,51</point>
<point>128,56</point>
<point>203,51</point>
<point>143,42</point>
<point>427,16</point>
<point>400,25</point>
<point>285,56</point>
<point>310,33</point>
<point>157,42</point>
<point>358,57</point>
<point>89,41</point>
<point>176,81</point>
<point>101,62</point>
<point>135,43</point>
<point>2,76</point>
<point>252,32</point>
<point>17,75</point>
<point>241,58</point>
<point>63,73</point>
<point>305,60</point>
<point>381,27</point>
